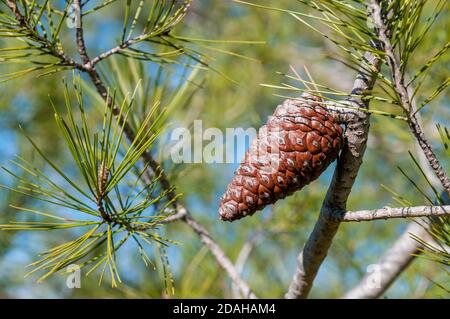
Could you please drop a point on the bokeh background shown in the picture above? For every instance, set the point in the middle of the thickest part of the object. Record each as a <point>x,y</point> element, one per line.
<point>229,96</point>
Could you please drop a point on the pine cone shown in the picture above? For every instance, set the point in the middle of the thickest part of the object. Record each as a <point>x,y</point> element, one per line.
<point>295,146</point>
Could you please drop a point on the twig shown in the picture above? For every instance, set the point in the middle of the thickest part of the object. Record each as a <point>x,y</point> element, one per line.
<point>90,69</point>
<point>145,35</point>
<point>242,258</point>
<point>102,180</point>
<point>79,34</point>
<point>65,60</point>
<point>390,265</point>
<point>316,248</point>
<point>179,214</point>
<point>403,256</point>
<point>429,173</point>
<point>389,212</point>
<point>401,90</point>
<point>247,248</point>
<point>118,48</point>
<point>218,253</point>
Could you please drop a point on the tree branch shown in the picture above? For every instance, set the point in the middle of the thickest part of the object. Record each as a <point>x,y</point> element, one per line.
<point>401,90</point>
<point>318,243</point>
<point>249,245</point>
<point>181,212</point>
<point>46,44</point>
<point>394,261</point>
<point>79,34</point>
<point>153,167</point>
<point>118,48</point>
<point>218,253</point>
<point>404,250</point>
<point>389,212</point>
<point>145,35</point>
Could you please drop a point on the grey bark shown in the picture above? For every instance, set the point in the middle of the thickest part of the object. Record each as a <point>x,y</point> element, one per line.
<point>349,162</point>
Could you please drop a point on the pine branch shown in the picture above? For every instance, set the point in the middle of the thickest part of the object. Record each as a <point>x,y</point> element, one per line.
<point>154,168</point>
<point>46,44</point>
<point>181,212</point>
<point>220,256</point>
<point>158,31</point>
<point>316,248</point>
<point>326,227</point>
<point>118,48</point>
<point>401,90</point>
<point>389,212</point>
<point>79,34</point>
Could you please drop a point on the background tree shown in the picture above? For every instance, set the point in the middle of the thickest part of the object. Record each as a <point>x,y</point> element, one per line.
<point>162,59</point>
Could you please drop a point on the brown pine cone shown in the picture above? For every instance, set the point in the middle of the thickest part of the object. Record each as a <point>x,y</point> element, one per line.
<point>295,146</point>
